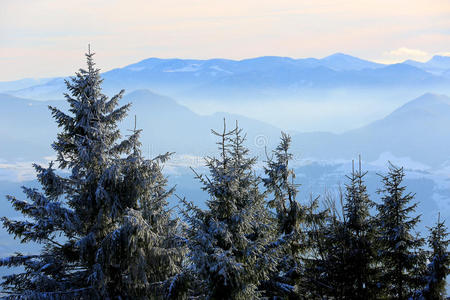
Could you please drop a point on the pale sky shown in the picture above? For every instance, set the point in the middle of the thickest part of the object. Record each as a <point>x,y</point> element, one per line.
<point>45,38</point>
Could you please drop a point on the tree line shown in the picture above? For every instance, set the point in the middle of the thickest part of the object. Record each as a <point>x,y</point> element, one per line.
<point>106,230</point>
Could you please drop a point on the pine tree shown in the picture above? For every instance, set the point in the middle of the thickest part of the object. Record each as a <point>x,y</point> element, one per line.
<point>229,242</point>
<point>102,228</point>
<point>399,247</point>
<point>293,221</point>
<point>438,268</point>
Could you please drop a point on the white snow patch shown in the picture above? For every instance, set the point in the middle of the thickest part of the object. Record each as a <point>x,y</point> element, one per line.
<point>405,162</point>
<point>217,68</point>
<point>442,202</point>
<point>444,170</point>
<point>188,68</point>
<point>181,163</point>
<point>20,171</point>
<point>135,69</point>
<point>17,172</point>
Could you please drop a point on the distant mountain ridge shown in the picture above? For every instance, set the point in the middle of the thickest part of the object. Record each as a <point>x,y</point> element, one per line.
<point>22,83</point>
<point>27,129</point>
<point>417,130</point>
<point>438,64</point>
<point>267,76</point>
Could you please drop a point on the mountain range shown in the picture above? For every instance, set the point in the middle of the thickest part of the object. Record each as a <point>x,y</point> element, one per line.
<point>27,128</point>
<point>262,77</point>
<point>438,64</point>
<point>418,130</point>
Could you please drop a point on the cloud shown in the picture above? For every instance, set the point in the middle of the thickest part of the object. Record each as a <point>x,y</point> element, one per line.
<point>403,53</point>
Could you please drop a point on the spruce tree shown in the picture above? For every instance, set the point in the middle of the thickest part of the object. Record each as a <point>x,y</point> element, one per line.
<point>314,282</point>
<point>292,221</point>
<point>360,230</point>
<point>104,229</point>
<point>399,246</point>
<point>345,266</point>
<point>332,266</point>
<point>230,242</point>
<point>438,268</point>
<point>344,244</point>
<point>141,258</point>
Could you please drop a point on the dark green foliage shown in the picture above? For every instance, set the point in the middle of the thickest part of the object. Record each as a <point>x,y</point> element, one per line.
<point>360,255</point>
<point>345,265</point>
<point>438,268</point>
<point>399,252</point>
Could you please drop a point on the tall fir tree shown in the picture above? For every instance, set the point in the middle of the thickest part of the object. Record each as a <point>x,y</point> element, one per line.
<point>230,241</point>
<point>142,257</point>
<point>438,268</point>
<point>399,245</point>
<point>361,277</point>
<point>292,219</point>
<point>104,229</point>
<point>345,247</point>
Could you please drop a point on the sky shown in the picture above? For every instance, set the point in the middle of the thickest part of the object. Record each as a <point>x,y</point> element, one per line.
<point>46,38</point>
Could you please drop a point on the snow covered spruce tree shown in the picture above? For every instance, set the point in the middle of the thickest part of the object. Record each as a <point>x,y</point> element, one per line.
<point>230,242</point>
<point>399,246</point>
<point>141,258</point>
<point>361,254</point>
<point>104,229</point>
<point>292,220</point>
<point>438,268</point>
